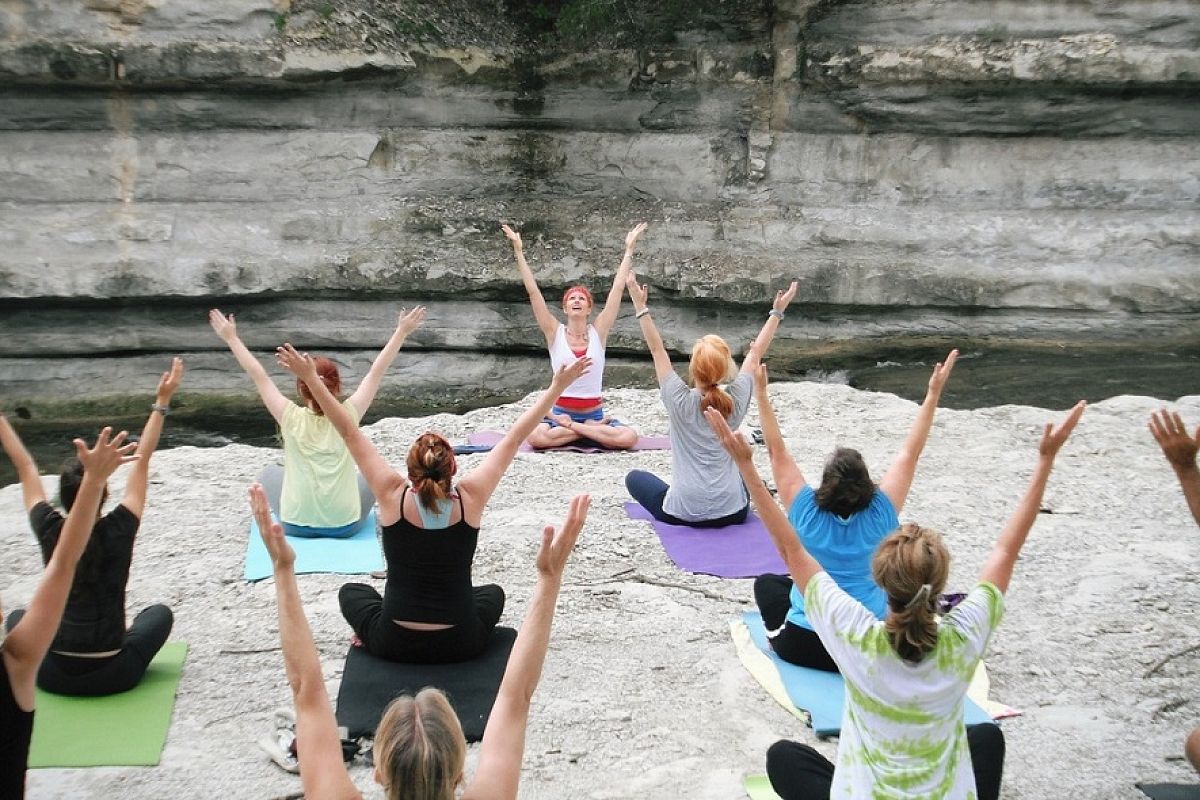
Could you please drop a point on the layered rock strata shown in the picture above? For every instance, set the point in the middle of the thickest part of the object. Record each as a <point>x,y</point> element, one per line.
<point>967,171</point>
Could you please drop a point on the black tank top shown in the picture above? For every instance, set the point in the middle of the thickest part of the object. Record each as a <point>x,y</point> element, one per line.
<point>429,570</point>
<point>16,729</point>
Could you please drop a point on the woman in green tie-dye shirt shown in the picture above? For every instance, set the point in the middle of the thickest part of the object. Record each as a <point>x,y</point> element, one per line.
<point>906,676</point>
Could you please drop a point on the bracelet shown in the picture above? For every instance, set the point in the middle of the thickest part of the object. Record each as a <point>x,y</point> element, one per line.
<point>164,410</point>
<point>642,313</point>
<point>776,313</point>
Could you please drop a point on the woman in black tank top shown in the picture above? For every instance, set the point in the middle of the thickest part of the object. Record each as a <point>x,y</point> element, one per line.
<point>430,612</point>
<point>24,647</point>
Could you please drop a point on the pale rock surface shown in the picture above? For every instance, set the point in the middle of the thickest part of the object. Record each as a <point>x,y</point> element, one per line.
<point>643,695</point>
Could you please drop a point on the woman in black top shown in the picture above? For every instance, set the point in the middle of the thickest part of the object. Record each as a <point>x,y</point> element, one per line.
<point>430,612</point>
<point>92,653</point>
<point>22,650</point>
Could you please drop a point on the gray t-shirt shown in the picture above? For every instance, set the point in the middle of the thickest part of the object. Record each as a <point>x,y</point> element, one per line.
<point>705,483</point>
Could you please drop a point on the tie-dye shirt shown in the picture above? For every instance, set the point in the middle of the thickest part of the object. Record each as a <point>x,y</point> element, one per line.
<point>902,735</point>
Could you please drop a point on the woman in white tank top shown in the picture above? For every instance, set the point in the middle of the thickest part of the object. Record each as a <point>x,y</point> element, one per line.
<point>579,413</point>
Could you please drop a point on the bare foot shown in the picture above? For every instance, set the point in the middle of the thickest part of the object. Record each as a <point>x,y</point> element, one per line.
<point>563,420</point>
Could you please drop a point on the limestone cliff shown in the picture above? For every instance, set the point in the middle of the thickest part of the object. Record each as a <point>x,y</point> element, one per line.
<point>928,169</point>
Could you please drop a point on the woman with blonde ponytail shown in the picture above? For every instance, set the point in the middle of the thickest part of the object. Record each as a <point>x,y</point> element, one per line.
<point>902,734</point>
<point>429,612</point>
<point>705,491</point>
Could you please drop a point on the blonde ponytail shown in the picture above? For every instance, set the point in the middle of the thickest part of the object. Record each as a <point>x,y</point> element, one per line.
<point>912,566</point>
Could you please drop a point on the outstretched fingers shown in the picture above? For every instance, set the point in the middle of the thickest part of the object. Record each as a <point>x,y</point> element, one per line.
<point>295,362</point>
<point>783,297</point>
<point>557,544</point>
<point>107,454</point>
<point>282,554</point>
<point>569,373</point>
<point>1054,437</point>
<point>638,292</point>
<point>941,372</point>
<point>736,445</point>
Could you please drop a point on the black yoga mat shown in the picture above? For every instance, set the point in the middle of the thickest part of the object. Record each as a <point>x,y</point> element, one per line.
<point>369,684</point>
<point>1171,791</point>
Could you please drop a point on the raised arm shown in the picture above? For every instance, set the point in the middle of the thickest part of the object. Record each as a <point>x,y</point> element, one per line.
<point>800,564</point>
<point>478,484</point>
<point>139,478</point>
<point>28,642</point>
<point>762,342</point>
<point>1180,449</point>
<point>383,480</point>
<point>499,770</point>
<point>364,395</point>
<point>788,478</point>
<point>23,463</point>
<point>318,746</point>
<point>612,306</point>
<point>998,568</point>
<point>272,398</point>
<point>899,477</point>
<point>546,321</point>
<point>638,294</point>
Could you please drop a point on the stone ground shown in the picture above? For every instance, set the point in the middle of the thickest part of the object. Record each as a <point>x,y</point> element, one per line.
<point>643,695</point>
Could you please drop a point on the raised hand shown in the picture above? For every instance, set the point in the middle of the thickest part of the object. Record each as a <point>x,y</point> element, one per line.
<point>223,326</point>
<point>107,454</point>
<point>569,373</point>
<point>632,237</point>
<point>734,443</point>
<point>558,544</point>
<point>638,292</point>
<point>282,554</point>
<point>941,373</point>
<point>760,378</point>
<point>513,237</point>
<point>1171,434</point>
<point>169,382</point>
<point>297,363</point>
<point>1053,438</point>
<point>783,297</point>
<point>411,320</point>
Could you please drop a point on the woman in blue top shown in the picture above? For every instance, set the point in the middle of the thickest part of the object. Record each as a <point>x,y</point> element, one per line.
<point>841,523</point>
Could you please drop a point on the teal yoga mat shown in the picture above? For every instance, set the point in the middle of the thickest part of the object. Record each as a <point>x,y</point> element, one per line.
<point>121,730</point>
<point>355,555</point>
<point>822,694</point>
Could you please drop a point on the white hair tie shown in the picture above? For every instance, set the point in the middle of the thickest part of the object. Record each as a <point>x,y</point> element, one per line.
<point>922,594</point>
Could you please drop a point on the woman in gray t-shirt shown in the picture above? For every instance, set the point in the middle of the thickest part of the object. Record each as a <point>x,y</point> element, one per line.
<point>705,490</point>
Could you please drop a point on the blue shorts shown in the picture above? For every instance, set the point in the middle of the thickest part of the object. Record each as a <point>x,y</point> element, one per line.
<point>595,415</point>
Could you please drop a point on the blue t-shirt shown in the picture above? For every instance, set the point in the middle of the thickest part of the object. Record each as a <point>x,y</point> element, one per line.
<point>844,547</point>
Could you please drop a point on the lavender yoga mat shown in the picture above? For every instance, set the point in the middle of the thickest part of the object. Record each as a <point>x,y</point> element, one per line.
<point>492,438</point>
<point>735,551</point>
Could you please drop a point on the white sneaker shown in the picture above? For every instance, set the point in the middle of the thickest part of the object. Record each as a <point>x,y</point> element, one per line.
<point>279,747</point>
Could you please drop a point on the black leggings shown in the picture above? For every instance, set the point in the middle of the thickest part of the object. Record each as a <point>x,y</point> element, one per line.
<point>794,644</point>
<point>94,677</point>
<point>362,606</point>
<point>798,772</point>
<point>650,491</point>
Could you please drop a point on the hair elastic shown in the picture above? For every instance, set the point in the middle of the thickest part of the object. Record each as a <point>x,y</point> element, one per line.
<point>922,594</point>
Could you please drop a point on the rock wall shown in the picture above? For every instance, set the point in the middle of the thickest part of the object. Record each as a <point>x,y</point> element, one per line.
<point>928,169</point>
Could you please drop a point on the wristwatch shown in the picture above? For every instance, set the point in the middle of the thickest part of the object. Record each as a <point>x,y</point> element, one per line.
<point>164,410</point>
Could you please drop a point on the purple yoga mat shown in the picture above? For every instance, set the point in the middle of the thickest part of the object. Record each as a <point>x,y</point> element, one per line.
<point>493,438</point>
<point>735,551</point>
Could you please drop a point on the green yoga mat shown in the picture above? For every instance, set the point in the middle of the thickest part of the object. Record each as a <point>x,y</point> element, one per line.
<point>120,730</point>
<point>758,787</point>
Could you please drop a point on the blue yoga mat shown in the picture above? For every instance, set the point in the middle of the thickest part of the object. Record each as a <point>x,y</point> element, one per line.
<point>355,555</point>
<point>822,694</point>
